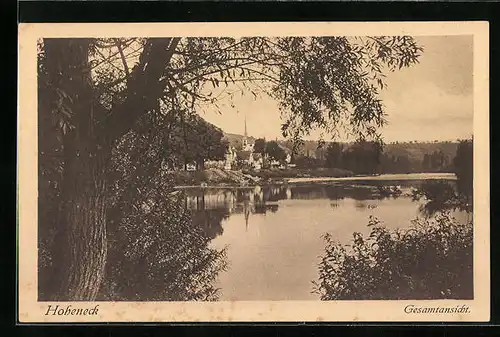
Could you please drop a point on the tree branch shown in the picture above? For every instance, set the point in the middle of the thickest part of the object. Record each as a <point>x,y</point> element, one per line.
<point>122,55</point>
<point>144,87</point>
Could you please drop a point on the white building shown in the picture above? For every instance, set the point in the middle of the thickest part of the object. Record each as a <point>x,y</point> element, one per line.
<point>249,157</point>
<point>230,159</point>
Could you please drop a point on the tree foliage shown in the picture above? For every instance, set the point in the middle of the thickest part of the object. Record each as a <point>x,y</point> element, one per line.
<point>334,155</point>
<point>431,260</point>
<point>259,145</point>
<point>397,164</point>
<point>275,151</point>
<point>304,162</point>
<point>435,161</point>
<point>463,164</point>
<point>192,139</point>
<point>336,81</point>
<point>326,82</point>
<point>361,157</point>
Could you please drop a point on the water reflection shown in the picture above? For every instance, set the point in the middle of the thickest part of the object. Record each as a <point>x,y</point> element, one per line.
<point>273,231</point>
<point>441,196</point>
<point>233,198</point>
<point>211,206</point>
<point>210,221</point>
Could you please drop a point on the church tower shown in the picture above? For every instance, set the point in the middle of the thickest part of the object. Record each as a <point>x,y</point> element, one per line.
<point>245,136</point>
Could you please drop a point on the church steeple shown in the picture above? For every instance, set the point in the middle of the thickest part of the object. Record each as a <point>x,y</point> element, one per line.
<point>246,127</point>
<point>245,140</point>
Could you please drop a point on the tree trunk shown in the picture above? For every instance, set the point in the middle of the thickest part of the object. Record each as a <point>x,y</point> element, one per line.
<point>80,243</point>
<point>83,248</point>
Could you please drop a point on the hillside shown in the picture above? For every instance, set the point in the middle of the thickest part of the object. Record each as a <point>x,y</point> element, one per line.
<point>235,138</point>
<point>415,151</point>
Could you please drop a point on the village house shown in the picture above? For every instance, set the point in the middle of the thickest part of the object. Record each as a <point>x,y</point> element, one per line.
<point>257,161</point>
<point>248,157</point>
<point>230,159</point>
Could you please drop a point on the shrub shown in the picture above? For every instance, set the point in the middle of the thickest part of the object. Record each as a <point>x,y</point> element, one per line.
<point>156,252</point>
<point>430,260</point>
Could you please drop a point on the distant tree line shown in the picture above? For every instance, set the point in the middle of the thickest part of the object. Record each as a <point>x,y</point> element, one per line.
<point>463,164</point>
<point>435,161</point>
<point>362,157</point>
<point>371,157</point>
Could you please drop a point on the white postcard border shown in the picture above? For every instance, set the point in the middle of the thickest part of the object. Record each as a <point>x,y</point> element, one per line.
<point>30,310</point>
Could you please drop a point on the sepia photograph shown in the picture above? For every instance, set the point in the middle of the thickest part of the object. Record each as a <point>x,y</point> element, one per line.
<point>251,169</point>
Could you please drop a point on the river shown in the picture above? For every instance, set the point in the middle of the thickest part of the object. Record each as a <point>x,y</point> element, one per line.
<point>273,234</point>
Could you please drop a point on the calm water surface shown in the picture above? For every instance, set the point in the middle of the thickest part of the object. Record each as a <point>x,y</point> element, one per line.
<point>273,233</point>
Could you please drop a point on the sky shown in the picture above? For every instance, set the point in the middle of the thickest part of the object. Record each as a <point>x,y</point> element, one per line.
<point>432,100</point>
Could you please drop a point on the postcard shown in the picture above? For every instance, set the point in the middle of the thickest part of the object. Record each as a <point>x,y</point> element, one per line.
<point>253,172</point>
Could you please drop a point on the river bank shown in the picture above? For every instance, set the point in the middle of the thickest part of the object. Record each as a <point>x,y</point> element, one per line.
<point>391,177</point>
<point>221,178</point>
<point>218,177</point>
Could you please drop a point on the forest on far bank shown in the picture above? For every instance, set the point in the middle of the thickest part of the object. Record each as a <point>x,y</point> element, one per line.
<point>370,158</point>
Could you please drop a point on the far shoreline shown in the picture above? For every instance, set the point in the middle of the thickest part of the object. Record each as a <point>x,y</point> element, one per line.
<point>286,181</point>
<point>385,177</point>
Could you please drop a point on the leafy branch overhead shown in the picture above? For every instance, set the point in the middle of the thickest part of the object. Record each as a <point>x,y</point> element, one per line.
<point>320,82</point>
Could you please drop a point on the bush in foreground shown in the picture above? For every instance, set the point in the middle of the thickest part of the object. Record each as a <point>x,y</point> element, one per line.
<point>430,260</point>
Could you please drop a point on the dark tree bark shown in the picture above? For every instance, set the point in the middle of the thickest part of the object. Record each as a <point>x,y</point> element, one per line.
<point>83,219</point>
<point>87,136</point>
<point>80,245</point>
